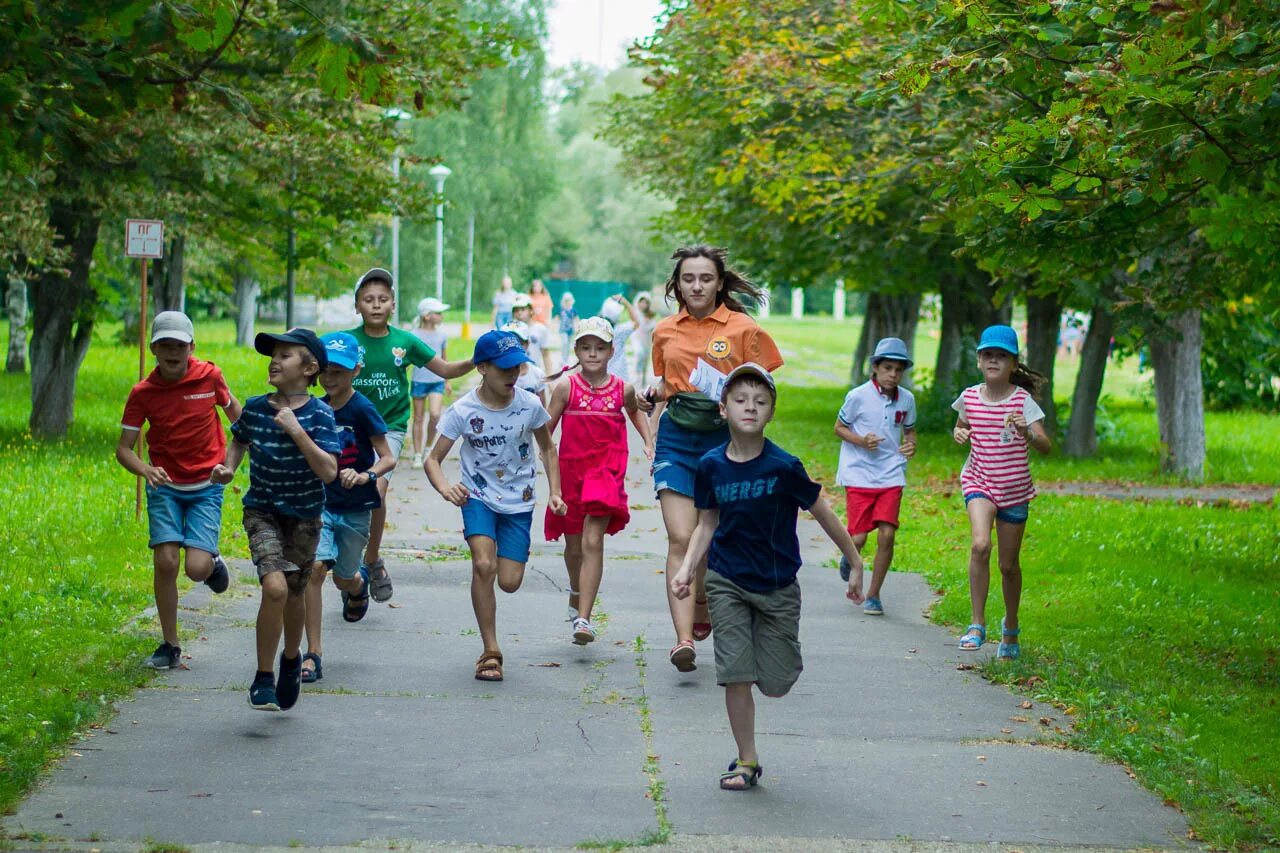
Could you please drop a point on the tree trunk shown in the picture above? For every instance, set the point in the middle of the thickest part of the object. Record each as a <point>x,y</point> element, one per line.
<point>62,306</point>
<point>246,306</point>
<point>168,292</point>
<point>951,346</point>
<point>1044,313</point>
<point>16,305</point>
<point>887,315</point>
<point>1180,396</point>
<point>1082,431</point>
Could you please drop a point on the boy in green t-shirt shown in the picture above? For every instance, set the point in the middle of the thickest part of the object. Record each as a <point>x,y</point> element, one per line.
<point>389,354</point>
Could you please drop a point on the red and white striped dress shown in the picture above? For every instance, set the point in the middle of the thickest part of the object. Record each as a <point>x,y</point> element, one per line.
<point>997,464</point>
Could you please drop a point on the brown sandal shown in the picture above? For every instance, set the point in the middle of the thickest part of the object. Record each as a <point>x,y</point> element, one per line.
<point>489,667</point>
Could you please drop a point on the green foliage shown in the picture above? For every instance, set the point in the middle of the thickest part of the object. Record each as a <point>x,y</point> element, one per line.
<point>1241,360</point>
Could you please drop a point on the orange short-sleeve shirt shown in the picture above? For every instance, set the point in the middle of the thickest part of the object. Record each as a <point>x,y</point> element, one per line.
<point>723,339</point>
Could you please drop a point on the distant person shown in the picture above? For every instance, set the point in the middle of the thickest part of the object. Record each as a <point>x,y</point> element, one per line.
<point>592,408</point>
<point>389,353</point>
<point>644,337</point>
<point>427,390</point>
<point>623,329</point>
<point>999,419</point>
<point>693,351</point>
<point>877,431</point>
<point>349,500</point>
<point>568,320</point>
<point>293,446</point>
<point>498,425</point>
<point>542,304</point>
<point>178,403</point>
<point>748,493</point>
<point>502,301</point>
<point>537,337</point>
<point>532,377</point>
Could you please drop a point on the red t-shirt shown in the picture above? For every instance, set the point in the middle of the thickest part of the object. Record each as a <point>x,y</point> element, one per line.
<point>185,437</point>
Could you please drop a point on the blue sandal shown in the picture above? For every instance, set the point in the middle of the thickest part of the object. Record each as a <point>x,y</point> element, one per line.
<point>972,644</point>
<point>1008,651</point>
<point>311,676</point>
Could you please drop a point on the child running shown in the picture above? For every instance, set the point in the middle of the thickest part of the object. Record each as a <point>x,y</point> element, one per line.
<point>349,500</point>
<point>499,423</point>
<point>388,354</point>
<point>877,431</point>
<point>748,493</point>
<point>999,418</point>
<point>179,402</point>
<point>293,447</point>
<point>427,390</point>
<point>568,318</point>
<point>593,454</point>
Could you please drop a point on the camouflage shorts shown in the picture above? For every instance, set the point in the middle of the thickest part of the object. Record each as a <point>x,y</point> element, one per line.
<point>282,543</point>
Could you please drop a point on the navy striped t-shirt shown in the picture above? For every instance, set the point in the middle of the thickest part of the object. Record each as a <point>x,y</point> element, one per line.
<point>280,480</point>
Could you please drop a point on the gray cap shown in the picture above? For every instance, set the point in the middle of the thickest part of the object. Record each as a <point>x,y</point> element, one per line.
<point>750,368</point>
<point>375,274</point>
<point>893,348</point>
<point>172,326</point>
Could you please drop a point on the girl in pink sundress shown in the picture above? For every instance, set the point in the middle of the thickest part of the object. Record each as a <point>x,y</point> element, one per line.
<point>592,407</point>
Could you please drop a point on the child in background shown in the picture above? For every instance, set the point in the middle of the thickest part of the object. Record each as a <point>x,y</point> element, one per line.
<point>999,418</point>
<point>612,311</point>
<point>388,354</point>
<point>532,378</point>
<point>748,493</point>
<point>349,499</point>
<point>179,402</point>
<point>498,423</point>
<point>593,465</point>
<point>568,319</point>
<point>427,390</point>
<point>877,430</point>
<point>536,334</point>
<point>644,338</point>
<point>293,447</point>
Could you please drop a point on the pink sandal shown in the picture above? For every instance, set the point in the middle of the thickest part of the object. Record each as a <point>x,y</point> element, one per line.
<point>682,656</point>
<point>701,630</point>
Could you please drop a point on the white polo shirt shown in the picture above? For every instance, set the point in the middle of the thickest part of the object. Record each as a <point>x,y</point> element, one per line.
<point>868,410</point>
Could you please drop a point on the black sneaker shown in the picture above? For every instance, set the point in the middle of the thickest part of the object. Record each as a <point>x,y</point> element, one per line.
<point>262,693</point>
<point>290,684</point>
<point>219,577</point>
<point>165,656</point>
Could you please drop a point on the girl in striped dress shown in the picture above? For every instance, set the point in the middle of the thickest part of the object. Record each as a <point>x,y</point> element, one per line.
<point>999,418</point>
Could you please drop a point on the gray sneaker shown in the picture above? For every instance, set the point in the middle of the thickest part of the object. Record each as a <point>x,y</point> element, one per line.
<point>165,656</point>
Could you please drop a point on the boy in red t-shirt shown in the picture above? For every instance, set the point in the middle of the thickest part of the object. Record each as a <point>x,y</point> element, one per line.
<point>179,403</point>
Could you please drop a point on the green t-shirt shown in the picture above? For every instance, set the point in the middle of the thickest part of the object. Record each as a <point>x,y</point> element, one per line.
<point>384,379</point>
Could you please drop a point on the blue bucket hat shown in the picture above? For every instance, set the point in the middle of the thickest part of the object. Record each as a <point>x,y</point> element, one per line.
<point>501,349</point>
<point>999,337</point>
<point>343,350</point>
<point>894,348</point>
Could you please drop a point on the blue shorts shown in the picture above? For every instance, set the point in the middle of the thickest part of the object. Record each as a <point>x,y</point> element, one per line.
<point>1016,514</point>
<point>676,455</point>
<point>343,536</point>
<point>509,531</point>
<point>422,389</point>
<point>192,518</point>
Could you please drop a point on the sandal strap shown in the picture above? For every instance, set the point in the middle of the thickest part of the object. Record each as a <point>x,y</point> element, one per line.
<point>1011,632</point>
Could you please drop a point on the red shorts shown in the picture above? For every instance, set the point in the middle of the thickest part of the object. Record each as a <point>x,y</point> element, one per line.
<point>865,508</point>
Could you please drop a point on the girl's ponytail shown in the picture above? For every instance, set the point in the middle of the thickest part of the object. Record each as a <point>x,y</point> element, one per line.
<point>1031,380</point>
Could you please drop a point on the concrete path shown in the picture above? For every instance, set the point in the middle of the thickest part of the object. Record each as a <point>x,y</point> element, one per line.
<point>888,742</point>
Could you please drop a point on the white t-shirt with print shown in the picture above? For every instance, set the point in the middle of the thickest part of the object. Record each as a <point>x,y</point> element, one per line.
<point>866,410</point>
<point>498,452</point>
<point>537,341</point>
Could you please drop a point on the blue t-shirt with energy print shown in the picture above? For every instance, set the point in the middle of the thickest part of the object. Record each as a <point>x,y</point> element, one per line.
<point>755,544</point>
<point>280,480</point>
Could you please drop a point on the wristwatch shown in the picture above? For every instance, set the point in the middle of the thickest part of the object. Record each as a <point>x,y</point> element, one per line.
<point>373,475</point>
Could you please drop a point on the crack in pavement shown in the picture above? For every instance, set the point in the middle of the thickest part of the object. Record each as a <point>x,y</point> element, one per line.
<point>583,733</point>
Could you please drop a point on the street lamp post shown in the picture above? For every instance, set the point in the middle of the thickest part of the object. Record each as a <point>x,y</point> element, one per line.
<point>440,171</point>
<point>397,115</point>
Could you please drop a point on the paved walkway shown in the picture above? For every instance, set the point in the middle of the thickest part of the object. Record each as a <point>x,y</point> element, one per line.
<point>885,738</point>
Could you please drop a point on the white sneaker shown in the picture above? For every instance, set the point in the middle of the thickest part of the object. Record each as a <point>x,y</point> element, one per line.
<point>583,633</point>
<point>570,614</point>
<point>417,460</point>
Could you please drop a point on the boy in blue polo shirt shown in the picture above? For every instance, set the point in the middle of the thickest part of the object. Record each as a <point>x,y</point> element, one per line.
<point>877,431</point>
<point>293,448</point>
<point>748,493</point>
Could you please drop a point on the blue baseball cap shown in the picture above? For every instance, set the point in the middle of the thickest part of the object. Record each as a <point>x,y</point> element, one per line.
<point>894,348</point>
<point>343,350</point>
<point>999,337</point>
<point>501,349</point>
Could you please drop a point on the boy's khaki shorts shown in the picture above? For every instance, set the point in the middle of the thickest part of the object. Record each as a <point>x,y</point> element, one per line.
<point>757,635</point>
<point>282,543</point>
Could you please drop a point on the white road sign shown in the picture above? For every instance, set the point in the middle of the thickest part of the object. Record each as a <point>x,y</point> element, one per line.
<point>144,238</point>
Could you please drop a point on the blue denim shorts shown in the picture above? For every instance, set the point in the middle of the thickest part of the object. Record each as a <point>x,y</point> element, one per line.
<point>1016,514</point>
<point>676,454</point>
<point>509,530</point>
<point>422,389</point>
<point>342,540</point>
<point>193,518</point>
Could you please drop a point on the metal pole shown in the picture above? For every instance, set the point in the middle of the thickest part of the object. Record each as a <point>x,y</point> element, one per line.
<point>440,240</point>
<point>471,256</point>
<point>142,372</point>
<point>395,244</point>
<point>290,277</point>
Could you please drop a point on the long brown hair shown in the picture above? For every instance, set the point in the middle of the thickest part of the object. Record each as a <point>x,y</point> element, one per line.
<point>1025,377</point>
<point>735,284</point>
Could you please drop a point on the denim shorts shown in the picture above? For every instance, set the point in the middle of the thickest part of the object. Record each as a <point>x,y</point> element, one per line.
<point>1016,514</point>
<point>192,518</point>
<point>509,530</point>
<point>676,455</point>
<point>342,541</point>
<point>422,389</point>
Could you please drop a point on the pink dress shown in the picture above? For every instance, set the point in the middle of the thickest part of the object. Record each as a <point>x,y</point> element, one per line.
<point>593,458</point>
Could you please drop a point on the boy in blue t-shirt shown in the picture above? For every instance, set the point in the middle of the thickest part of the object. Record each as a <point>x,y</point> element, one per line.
<point>748,493</point>
<point>293,445</point>
<point>349,499</point>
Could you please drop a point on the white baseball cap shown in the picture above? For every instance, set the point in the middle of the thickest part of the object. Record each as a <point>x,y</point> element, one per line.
<point>518,328</point>
<point>172,326</point>
<point>431,305</point>
<point>521,300</point>
<point>611,310</point>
